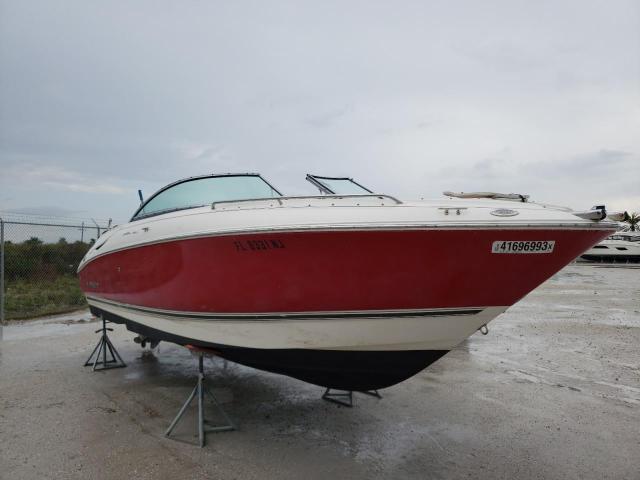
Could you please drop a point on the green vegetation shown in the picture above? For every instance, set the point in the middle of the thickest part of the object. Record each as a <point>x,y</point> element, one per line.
<point>33,259</point>
<point>634,221</point>
<point>34,298</point>
<point>40,278</point>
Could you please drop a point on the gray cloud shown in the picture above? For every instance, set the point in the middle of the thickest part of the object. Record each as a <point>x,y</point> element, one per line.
<point>46,210</point>
<point>604,164</point>
<point>328,118</point>
<point>100,99</point>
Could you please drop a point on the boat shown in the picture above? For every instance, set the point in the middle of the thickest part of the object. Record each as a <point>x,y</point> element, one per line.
<point>348,289</point>
<point>622,246</point>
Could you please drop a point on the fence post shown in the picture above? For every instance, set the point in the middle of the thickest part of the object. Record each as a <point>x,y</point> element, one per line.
<point>1,276</point>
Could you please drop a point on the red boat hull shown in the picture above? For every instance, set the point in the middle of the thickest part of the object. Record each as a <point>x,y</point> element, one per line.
<point>335,271</point>
<point>324,271</point>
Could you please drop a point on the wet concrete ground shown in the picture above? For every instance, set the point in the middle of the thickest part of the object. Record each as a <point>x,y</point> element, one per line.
<point>552,392</point>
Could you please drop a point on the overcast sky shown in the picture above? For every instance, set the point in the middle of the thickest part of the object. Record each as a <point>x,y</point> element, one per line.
<point>100,98</point>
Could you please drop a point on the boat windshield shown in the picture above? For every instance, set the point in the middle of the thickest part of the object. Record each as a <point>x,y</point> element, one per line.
<point>201,191</point>
<point>338,185</point>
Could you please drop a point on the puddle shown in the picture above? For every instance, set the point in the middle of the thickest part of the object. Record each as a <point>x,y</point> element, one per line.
<point>56,325</point>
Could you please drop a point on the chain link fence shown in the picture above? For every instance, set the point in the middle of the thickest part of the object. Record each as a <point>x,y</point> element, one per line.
<point>39,257</point>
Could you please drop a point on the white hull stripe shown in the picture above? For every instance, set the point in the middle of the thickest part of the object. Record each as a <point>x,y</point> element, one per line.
<point>440,332</point>
<point>439,312</point>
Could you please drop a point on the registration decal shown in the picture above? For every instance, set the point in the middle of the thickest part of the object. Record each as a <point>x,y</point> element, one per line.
<point>258,245</point>
<point>523,246</point>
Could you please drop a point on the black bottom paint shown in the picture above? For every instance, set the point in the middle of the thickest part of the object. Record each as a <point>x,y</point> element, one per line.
<point>338,369</point>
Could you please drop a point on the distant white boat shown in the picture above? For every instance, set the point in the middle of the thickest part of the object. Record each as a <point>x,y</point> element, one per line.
<point>619,247</point>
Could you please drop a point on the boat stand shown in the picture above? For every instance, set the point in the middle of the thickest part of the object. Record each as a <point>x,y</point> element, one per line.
<point>203,425</point>
<point>100,352</point>
<point>347,395</point>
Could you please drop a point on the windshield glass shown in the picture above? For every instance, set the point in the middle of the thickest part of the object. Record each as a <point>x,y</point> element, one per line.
<point>339,186</point>
<point>203,191</point>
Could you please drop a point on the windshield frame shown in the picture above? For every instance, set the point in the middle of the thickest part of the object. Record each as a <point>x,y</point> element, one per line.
<point>316,180</point>
<point>135,217</point>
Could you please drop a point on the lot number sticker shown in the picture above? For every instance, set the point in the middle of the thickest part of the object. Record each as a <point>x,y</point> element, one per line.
<point>523,246</point>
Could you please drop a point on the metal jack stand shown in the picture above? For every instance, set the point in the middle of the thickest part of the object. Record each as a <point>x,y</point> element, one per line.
<point>203,425</point>
<point>103,345</point>
<point>348,394</point>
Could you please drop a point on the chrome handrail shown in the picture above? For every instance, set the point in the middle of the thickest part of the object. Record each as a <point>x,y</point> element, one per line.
<point>299,197</point>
